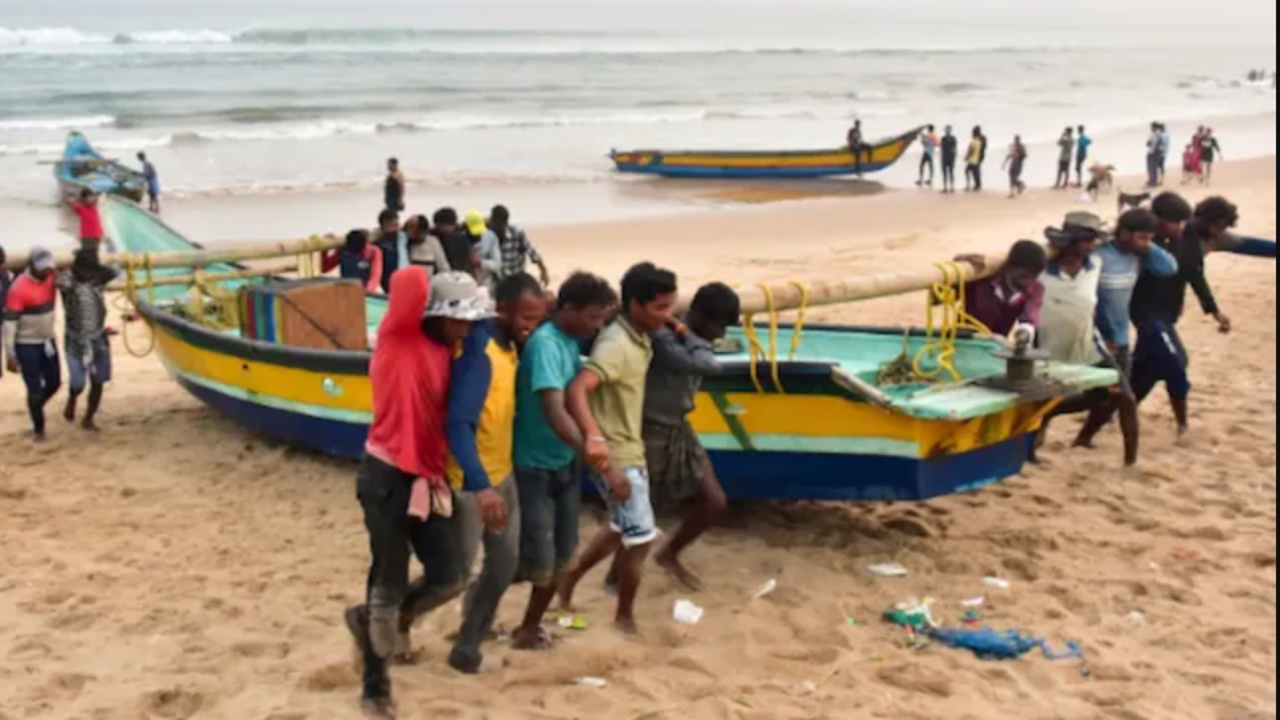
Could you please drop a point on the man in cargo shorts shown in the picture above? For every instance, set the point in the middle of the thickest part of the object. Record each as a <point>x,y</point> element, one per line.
<point>606,401</point>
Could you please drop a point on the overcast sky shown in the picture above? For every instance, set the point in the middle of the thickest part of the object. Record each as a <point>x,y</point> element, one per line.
<point>1224,22</point>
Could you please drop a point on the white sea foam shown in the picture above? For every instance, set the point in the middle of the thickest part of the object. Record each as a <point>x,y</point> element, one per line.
<point>73,123</point>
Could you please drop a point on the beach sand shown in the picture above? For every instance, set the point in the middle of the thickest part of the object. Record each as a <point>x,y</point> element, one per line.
<point>177,567</point>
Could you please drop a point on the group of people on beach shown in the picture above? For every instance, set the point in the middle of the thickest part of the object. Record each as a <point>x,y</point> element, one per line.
<point>28,303</point>
<point>486,415</point>
<point>1083,298</point>
<point>944,150</point>
<point>1074,152</point>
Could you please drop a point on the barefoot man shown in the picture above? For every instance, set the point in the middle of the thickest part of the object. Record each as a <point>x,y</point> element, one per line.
<point>548,443</point>
<point>682,473</point>
<point>606,401</point>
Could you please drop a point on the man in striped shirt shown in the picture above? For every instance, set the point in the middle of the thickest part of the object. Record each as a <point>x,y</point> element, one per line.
<point>29,339</point>
<point>88,350</point>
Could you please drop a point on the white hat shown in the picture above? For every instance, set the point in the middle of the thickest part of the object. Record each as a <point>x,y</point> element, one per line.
<point>457,296</point>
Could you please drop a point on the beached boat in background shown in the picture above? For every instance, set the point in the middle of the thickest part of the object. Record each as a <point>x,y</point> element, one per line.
<point>813,428</point>
<point>763,165</point>
<point>83,168</point>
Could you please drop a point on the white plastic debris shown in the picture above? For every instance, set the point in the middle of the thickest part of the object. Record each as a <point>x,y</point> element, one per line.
<point>687,613</point>
<point>1137,618</point>
<point>974,602</point>
<point>764,590</point>
<point>890,570</point>
<point>592,682</point>
<point>996,583</point>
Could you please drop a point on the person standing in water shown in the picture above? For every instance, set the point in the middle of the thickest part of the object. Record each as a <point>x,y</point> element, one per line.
<point>153,182</point>
<point>394,188</point>
<point>950,155</point>
<point>87,346</point>
<point>607,402</point>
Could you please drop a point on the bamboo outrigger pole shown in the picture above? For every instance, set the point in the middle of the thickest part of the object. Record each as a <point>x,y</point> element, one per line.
<point>180,280</point>
<point>224,255</point>
<point>792,296</point>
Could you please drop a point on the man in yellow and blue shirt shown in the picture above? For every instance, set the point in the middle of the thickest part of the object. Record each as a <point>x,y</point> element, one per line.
<point>481,431</point>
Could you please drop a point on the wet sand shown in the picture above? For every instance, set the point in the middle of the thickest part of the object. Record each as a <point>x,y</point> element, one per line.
<point>178,567</point>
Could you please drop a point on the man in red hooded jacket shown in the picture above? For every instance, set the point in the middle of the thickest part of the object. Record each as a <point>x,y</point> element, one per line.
<point>402,483</point>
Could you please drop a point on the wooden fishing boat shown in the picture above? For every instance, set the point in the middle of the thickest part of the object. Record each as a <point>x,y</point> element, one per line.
<point>763,165</point>
<point>83,168</point>
<point>814,426</point>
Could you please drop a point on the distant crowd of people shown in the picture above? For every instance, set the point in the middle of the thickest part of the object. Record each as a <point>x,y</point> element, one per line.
<point>1074,153</point>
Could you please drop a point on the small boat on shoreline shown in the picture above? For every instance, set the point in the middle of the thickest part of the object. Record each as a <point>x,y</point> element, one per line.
<point>763,165</point>
<point>83,168</point>
<point>817,425</point>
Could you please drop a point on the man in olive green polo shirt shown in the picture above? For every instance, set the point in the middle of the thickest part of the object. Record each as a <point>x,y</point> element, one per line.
<point>606,400</point>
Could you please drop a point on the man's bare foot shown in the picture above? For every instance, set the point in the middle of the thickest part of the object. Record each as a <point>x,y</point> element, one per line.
<point>627,626</point>
<point>531,640</point>
<point>38,438</point>
<point>90,427</point>
<point>679,572</point>
<point>70,413</point>
<point>1184,430</point>
<point>1086,444</point>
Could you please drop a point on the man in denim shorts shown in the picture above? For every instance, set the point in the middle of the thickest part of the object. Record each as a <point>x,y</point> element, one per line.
<point>547,444</point>
<point>606,401</point>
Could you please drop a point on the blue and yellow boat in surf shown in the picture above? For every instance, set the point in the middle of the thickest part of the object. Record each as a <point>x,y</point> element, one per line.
<point>763,165</point>
<point>813,425</point>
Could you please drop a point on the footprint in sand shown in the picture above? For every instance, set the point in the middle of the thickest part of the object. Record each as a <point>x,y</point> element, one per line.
<point>900,243</point>
<point>173,703</point>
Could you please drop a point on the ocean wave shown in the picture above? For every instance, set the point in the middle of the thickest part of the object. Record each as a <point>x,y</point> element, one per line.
<point>76,123</point>
<point>451,42</point>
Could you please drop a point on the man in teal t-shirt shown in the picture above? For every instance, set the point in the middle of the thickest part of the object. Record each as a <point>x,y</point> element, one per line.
<point>548,444</point>
<point>1083,144</point>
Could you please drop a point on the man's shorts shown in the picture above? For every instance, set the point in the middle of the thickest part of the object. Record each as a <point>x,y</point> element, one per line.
<point>550,503</point>
<point>95,367</point>
<point>1161,357</point>
<point>634,520</point>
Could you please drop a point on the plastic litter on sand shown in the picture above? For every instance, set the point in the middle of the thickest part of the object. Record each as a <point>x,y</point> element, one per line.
<point>687,613</point>
<point>592,682</point>
<point>889,570</point>
<point>996,583</point>
<point>764,590</point>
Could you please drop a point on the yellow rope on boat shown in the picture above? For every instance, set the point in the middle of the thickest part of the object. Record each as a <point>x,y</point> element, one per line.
<point>797,335</point>
<point>757,351</point>
<point>948,297</point>
<point>131,298</point>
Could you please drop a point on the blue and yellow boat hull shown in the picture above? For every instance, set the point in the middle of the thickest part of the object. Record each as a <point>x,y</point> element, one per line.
<point>763,165</point>
<point>810,441</point>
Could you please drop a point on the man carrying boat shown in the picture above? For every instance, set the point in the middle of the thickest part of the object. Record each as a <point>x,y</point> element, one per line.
<point>402,484</point>
<point>356,260</point>
<point>1159,301</point>
<point>1015,296</point>
<point>87,345</point>
<point>481,432</point>
<point>517,251</point>
<point>90,216</point>
<point>394,246</point>
<point>29,335</point>
<point>683,477</point>
<point>607,403</point>
<point>548,443</point>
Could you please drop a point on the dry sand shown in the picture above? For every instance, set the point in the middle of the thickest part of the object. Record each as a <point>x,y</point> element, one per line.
<point>178,567</point>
